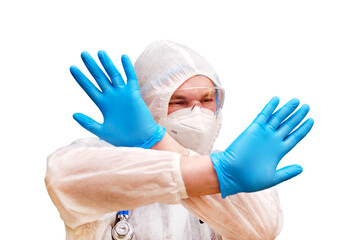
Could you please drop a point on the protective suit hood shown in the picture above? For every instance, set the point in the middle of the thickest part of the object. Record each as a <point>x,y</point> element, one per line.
<point>162,68</point>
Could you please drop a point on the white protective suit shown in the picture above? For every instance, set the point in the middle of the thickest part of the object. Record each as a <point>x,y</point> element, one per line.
<point>90,180</point>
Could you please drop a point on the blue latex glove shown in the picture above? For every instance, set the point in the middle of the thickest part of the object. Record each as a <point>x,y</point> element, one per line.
<point>127,120</point>
<point>249,163</point>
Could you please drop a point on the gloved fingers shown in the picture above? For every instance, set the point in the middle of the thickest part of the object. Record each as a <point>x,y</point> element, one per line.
<point>88,123</point>
<point>294,120</point>
<point>130,72</point>
<point>280,115</point>
<point>92,91</point>
<point>287,173</point>
<point>110,69</point>
<point>99,76</point>
<point>296,136</point>
<point>266,113</point>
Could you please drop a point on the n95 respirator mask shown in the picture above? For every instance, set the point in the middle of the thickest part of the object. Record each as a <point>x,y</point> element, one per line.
<point>194,128</point>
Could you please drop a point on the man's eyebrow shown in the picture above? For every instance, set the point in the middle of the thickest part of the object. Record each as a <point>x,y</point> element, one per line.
<point>180,96</point>
<point>177,96</point>
<point>206,94</point>
<point>209,94</point>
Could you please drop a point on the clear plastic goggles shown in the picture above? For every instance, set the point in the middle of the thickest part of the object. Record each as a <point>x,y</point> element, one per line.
<point>211,98</point>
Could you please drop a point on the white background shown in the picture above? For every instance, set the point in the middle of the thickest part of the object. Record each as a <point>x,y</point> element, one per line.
<point>304,49</point>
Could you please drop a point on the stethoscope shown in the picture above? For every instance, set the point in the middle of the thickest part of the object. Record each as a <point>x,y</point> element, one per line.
<point>122,229</point>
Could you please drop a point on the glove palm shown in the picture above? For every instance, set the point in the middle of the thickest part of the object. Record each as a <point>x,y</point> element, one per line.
<point>250,163</point>
<point>127,120</point>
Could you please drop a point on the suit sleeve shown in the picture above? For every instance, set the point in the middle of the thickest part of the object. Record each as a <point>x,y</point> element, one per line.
<point>247,216</point>
<point>90,178</point>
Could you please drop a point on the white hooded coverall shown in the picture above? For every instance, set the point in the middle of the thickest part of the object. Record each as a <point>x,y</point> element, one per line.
<point>90,180</point>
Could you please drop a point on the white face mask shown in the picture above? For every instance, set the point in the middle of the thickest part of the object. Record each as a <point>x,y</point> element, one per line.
<point>194,128</point>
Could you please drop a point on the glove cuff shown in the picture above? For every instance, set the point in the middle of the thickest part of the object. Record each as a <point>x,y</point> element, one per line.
<point>227,184</point>
<point>217,166</point>
<point>156,137</point>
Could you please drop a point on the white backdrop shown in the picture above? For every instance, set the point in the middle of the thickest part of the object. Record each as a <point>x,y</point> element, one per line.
<point>305,49</point>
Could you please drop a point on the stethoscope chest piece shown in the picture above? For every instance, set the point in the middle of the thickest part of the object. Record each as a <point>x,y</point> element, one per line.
<point>122,229</point>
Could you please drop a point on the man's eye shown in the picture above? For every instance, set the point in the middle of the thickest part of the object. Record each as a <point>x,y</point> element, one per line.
<point>208,100</point>
<point>176,102</point>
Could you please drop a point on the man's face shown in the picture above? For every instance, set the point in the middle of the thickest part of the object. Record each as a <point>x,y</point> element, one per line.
<point>196,91</point>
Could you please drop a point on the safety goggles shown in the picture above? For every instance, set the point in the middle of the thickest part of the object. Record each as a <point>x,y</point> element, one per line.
<point>211,98</point>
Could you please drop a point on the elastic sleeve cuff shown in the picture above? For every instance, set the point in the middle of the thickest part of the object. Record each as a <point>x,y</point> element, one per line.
<point>179,180</point>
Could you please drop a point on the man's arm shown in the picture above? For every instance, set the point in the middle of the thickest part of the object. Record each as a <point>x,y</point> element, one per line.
<point>197,172</point>
<point>249,164</point>
<point>90,178</point>
<point>245,215</point>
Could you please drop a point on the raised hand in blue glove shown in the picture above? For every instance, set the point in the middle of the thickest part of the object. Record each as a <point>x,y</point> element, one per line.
<point>250,163</point>
<point>127,120</point>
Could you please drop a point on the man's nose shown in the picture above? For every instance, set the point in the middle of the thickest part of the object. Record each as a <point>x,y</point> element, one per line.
<point>194,104</point>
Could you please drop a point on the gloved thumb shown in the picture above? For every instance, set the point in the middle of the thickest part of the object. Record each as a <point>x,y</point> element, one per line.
<point>287,173</point>
<point>88,123</point>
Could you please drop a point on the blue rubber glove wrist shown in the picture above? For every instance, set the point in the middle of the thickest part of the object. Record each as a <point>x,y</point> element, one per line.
<point>157,136</point>
<point>227,185</point>
<point>250,163</point>
<point>127,120</point>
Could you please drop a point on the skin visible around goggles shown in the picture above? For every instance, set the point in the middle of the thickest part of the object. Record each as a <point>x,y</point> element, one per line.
<point>211,98</point>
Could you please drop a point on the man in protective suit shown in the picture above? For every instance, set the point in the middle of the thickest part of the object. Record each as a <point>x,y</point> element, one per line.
<point>171,183</point>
